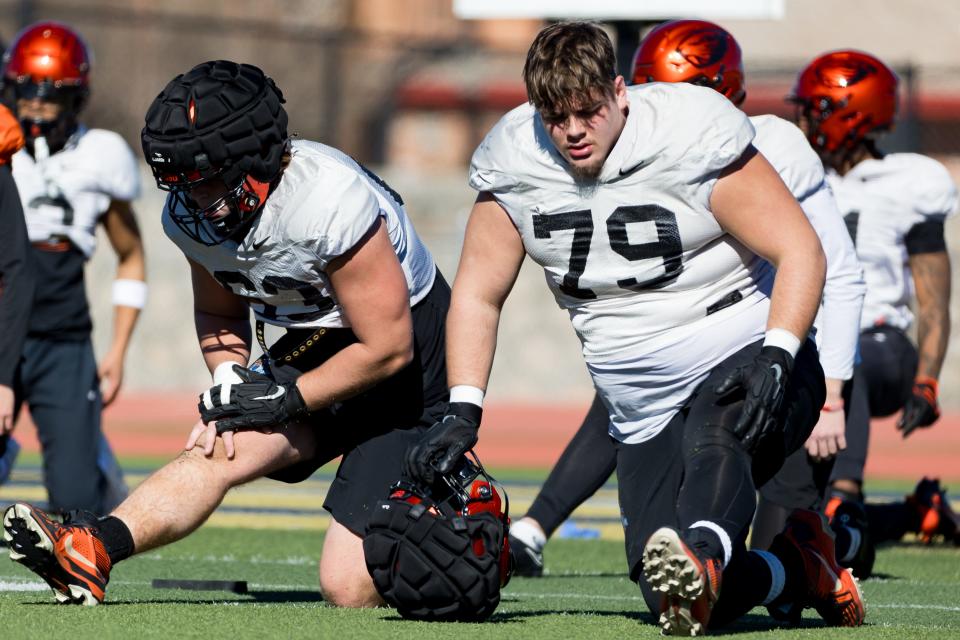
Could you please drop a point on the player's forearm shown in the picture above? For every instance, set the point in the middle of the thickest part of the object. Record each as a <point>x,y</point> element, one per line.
<point>353,370</point>
<point>797,289</point>
<point>931,279</point>
<point>124,320</point>
<point>933,335</point>
<point>222,338</point>
<point>471,340</point>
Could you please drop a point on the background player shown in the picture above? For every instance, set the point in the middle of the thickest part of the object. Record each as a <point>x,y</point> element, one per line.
<point>895,207</point>
<point>71,179</point>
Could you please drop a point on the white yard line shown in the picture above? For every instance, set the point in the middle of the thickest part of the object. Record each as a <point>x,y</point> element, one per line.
<point>14,583</point>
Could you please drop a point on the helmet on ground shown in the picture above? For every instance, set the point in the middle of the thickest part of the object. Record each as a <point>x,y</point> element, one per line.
<point>845,96</point>
<point>441,559</point>
<point>48,61</point>
<point>222,127</point>
<point>693,51</point>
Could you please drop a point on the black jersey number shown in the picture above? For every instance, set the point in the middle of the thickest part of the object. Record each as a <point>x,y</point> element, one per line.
<point>273,285</point>
<point>667,245</point>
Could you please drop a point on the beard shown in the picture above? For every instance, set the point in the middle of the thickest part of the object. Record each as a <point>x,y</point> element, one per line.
<point>586,172</point>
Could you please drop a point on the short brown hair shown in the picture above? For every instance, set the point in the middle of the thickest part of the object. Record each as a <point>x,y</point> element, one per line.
<point>568,63</point>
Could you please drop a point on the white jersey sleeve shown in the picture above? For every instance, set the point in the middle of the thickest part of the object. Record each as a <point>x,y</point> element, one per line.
<point>118,174</point>
<point>786,148</point>
<point>334,217</point>
<point>838,322</point>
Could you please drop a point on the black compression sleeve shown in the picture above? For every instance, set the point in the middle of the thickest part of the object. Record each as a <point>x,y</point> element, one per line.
<point>926,237</point>
<point>16,278</point>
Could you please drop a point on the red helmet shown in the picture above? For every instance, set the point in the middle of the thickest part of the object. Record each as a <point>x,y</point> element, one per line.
<point>50,61</point>
<point>694,51</point>
<point>48,53</point>
<point>845,96</point>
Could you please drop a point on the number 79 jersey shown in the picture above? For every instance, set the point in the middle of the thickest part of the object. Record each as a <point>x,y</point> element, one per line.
<point>636,253</point>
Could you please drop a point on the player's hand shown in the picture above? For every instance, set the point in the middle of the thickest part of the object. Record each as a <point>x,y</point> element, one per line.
<point>828,437</point>
<point>110,372</point>
<point>256,402</point>
<point>443,443</point>
<point>6,409</point>
<point>921,408</point>
<point>209,435</point>
<point>764,383</point>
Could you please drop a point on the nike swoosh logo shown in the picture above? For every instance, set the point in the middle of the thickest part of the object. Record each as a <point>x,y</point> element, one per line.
<point>629,170</point>
<point>256,246</point>
<point>76,556</point>
<point>777,371</point>
<point>273,396</point>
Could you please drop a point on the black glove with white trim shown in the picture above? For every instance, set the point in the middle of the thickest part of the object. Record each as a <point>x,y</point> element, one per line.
<point>256,402</point>
<point>444,443</point>
<point>765,383</point>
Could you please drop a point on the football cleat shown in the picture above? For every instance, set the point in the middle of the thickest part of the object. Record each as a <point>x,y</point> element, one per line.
<point>852,516</point>
<point>934,511</point>
<point>527,561</point>
<point>689,586</point>
<point>69,557</point>
<point>831,589</point>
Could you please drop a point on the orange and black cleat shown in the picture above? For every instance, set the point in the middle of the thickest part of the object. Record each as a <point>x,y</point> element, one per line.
<point>934,511</point>
<point>690,587</point>
<point>831,589</point>
<point>69,557</point>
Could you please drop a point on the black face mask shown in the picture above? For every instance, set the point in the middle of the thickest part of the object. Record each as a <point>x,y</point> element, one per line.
<point>242,196</point>
<point>57,131</point>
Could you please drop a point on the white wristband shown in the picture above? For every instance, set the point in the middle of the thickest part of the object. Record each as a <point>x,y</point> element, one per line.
<point>224,373</point>
<point>130,293</point>
<point>466,393</point>
<point>783,339</point>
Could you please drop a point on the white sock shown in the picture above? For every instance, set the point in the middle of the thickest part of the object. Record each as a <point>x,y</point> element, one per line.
<point>778,575</point>
<point>529,534</point>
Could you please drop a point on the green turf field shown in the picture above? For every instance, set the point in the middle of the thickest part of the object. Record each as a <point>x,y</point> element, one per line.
<point>586,594</point>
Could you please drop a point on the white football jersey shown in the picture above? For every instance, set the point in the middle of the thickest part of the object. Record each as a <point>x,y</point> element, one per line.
<point>882,200</point>
<point>799,166</point>
<point>636,257</point>
<point>65,194</point>
<point>323,206</point>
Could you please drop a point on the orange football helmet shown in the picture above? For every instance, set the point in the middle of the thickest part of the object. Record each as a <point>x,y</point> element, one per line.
<point>694,51</point>
<point>844,96</point>
<point>49,61</point>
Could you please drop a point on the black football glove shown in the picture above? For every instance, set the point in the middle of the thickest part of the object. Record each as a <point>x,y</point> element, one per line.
<point>764,383</point>
<point>921,408</point>
<point>255,403</point>
<point>443,443</point>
